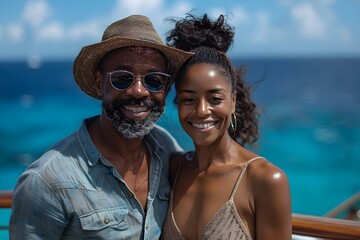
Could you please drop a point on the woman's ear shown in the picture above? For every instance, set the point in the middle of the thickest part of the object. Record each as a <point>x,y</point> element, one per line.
<point>98,83</point>
<point>233,101</point>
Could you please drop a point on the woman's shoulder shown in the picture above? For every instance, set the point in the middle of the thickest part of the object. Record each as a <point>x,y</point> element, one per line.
<point>265,176</point>
<point>270,199</point>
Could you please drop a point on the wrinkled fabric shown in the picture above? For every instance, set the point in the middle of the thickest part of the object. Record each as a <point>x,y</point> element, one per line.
<point>72,192</point>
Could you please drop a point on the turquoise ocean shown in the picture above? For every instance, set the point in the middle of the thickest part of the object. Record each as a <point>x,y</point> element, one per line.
<point>309,124</point>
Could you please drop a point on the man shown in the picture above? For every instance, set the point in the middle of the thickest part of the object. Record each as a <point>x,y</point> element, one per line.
<point>109,179</point>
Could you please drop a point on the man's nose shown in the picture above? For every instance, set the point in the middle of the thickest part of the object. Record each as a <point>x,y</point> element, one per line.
<point>138,89</point>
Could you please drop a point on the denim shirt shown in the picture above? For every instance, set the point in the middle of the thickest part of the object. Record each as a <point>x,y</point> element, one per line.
<point>72,192</point>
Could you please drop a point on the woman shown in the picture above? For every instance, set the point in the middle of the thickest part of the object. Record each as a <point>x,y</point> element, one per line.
<point>222,190</point>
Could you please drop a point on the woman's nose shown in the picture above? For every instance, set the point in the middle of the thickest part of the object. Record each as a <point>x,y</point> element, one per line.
<point>203,108</point>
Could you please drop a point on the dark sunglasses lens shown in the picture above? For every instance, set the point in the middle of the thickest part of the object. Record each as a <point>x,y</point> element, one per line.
<point>155,81</point>
<point>121,80</point>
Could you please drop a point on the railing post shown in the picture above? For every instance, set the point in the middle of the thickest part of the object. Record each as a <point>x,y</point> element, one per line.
<point>5,199</point>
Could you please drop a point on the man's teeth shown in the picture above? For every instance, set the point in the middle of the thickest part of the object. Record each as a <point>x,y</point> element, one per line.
<point>135,109</point>
<point>203,125</point>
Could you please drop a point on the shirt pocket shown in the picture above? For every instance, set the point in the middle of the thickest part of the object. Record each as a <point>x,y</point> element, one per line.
<point>113,217</point>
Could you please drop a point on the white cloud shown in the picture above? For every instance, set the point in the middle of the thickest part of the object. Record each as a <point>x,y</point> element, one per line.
<point>51,31</point>
<point>262,27</point>
<point>311,25</point>
<point>138,6</point>
<point>36,12</point>
<point>239,16</point>
<point>318,21</point>
<point>162,16</point>
<point>15,32</point>
<point>298,23</point>
<point>156,10</point>
<point>179,9</point>
<point>91,29</point>
<point>213,13</point>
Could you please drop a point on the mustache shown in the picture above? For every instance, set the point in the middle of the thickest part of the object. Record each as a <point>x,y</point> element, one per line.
<point>135,101</point>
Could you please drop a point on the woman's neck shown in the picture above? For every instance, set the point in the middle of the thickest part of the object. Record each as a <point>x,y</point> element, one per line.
<point>218,153</point>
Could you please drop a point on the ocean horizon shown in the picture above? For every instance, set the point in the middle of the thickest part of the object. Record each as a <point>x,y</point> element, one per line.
<point>309,123</point>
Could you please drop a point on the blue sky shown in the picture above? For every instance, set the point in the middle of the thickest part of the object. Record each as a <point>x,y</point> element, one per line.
<point>57,29</point>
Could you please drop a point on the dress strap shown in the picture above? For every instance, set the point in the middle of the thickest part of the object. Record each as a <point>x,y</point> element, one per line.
<point>242,174</point>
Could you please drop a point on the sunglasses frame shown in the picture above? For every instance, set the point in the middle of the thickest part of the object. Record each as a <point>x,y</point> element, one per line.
<point>142,79</point>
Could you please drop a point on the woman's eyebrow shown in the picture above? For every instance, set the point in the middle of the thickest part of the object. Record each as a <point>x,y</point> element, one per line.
<point>186,91</point>
<point>215,90</point>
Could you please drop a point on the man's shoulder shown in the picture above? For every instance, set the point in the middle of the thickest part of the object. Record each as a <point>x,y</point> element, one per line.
<point>54,162</point>
<point>160,131</point>
<point>161,136</point>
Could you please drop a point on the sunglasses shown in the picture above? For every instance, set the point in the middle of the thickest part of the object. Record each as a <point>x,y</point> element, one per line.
<point>153,82</point>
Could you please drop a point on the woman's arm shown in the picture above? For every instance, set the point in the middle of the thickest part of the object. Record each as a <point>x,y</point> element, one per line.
<point>273,212</point>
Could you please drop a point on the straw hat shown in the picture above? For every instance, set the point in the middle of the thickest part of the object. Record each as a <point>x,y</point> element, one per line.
<point>135,30</point>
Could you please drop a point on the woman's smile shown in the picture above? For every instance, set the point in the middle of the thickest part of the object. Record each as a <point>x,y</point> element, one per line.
<point>205,126</point>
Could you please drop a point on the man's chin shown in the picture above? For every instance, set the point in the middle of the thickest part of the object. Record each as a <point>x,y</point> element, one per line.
<point>129,124</point>
<point>134,129</point>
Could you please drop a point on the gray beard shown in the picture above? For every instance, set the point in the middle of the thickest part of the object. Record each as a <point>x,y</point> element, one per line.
<point>128,128</point>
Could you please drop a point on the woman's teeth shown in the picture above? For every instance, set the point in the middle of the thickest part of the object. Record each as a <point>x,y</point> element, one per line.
<point>203,125</point>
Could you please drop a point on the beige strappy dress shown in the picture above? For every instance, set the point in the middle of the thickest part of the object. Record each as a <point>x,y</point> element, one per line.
<point>225,224</point>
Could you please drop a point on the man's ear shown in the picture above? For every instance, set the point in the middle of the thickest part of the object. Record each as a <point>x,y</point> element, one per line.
<point>98,81</point>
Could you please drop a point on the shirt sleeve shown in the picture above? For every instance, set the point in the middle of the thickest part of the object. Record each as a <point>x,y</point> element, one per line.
<point>36,212</point>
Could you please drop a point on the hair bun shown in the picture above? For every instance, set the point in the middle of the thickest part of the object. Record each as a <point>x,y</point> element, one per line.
<point>192,32</point>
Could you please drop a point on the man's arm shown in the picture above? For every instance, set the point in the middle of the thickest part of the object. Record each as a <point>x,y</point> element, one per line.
<point>36,211</point>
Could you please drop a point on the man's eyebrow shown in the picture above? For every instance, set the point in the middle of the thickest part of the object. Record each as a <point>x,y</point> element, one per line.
<point>128,67</point>
<point>123,67</point>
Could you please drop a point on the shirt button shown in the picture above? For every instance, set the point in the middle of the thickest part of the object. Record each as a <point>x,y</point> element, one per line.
<point>106,220</point>
<point>146,226</point>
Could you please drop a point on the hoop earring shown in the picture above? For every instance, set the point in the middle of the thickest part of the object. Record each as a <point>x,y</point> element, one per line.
<point>233,122</point>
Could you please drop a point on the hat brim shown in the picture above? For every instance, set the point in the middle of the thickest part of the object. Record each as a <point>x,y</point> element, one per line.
<point>90,56</point>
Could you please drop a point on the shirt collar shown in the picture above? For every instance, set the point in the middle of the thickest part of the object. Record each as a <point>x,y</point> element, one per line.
<point>93,155</point>
<point>88,147</point>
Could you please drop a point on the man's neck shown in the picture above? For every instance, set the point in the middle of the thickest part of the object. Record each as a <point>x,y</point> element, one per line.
<point>112,143</point>
<point>130,157</point>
